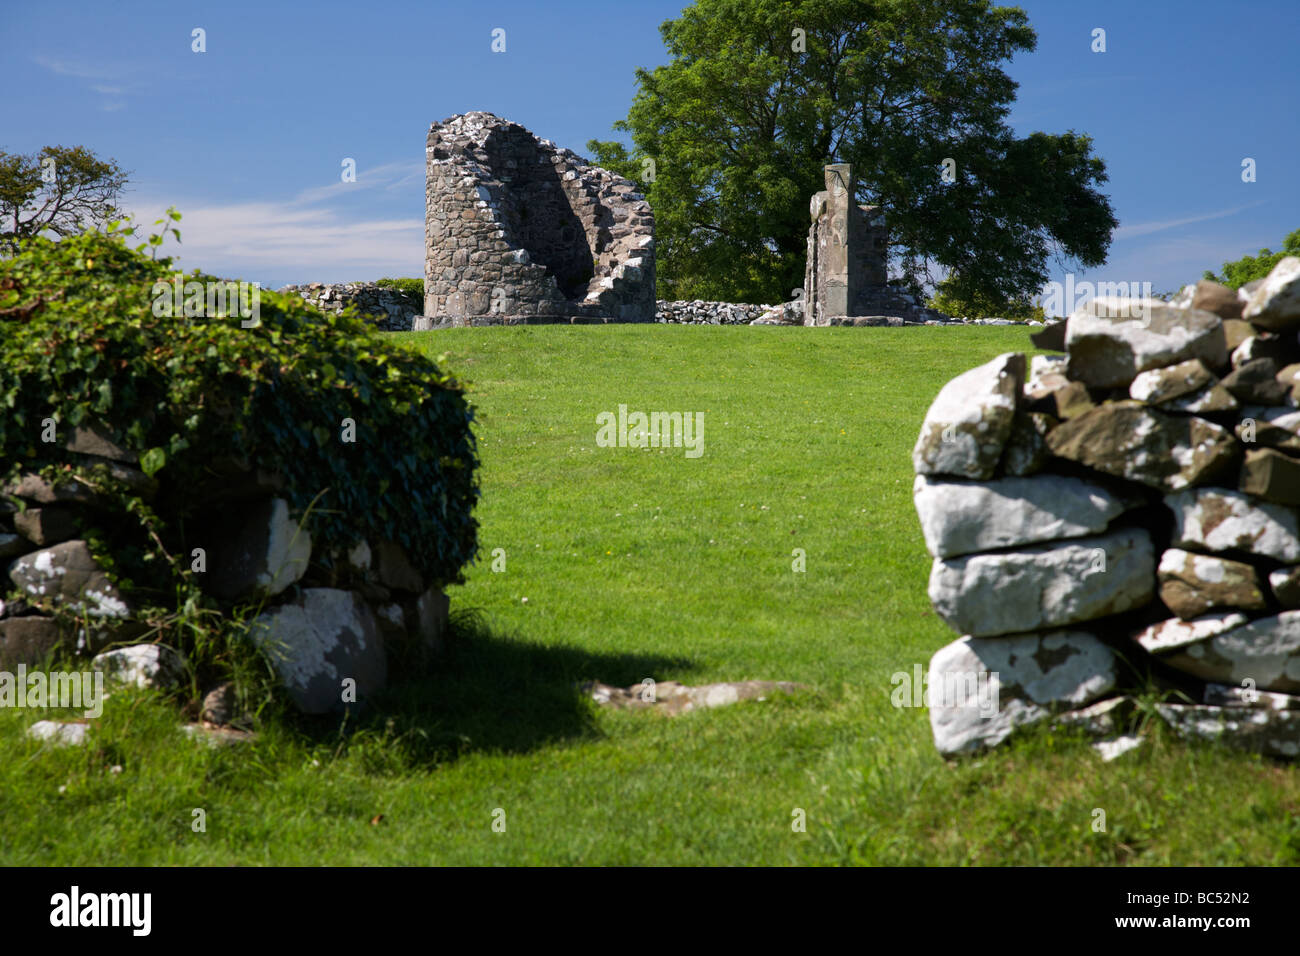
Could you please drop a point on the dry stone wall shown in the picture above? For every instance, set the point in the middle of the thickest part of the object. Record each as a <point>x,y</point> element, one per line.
<point>701,312</point>
<point>392,309</point>
<point>321,622</point>
<point>1130,506</point>
<point>519,230</point>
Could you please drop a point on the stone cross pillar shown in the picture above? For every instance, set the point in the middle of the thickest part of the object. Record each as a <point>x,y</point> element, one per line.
<point>834,258</point>
<point>829,286</point>
<point>848,246</point>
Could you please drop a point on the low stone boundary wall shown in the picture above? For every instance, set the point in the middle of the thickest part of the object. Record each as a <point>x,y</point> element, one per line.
<point>394,310</point>
<point>319,622</point>
<point>1130,507</point>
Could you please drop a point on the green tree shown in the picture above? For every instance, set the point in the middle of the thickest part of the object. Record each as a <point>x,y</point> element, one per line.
<point>61,190</point>
<point>740,123</point>
<point>956,304</point>
<point>1249,268</point>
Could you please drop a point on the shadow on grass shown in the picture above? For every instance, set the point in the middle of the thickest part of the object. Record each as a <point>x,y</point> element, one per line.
<point>487,693</point>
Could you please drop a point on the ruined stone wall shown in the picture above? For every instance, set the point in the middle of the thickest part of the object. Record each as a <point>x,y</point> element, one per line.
<point>1128,512</point>
<point>392,309</point>
<point>518,230</point>
<point>362,609</point>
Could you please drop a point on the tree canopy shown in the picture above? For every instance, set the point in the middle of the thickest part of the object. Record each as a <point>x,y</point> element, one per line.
<point>63,190</point>
<point>731,135</point>
<point>1248,268</point>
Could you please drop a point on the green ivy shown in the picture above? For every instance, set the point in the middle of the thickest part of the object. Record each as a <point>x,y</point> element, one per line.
<point>80,342</point>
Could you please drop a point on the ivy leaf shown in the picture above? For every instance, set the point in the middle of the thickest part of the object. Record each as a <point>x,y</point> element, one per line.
<point>152,461</point>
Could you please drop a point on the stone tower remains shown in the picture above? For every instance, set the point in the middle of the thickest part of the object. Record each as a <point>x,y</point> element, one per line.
<point>848,246</point>
<point>518,230</point>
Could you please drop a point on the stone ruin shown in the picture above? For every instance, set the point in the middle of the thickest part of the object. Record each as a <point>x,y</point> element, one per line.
<point>518,230</point>
<point>845,278</point>
<point>847,247</point>
<point>314,623</point>
<point>1130,507</point>
<point>392,310</point>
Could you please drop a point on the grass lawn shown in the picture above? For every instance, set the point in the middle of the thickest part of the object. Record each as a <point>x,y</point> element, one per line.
<point>643,563</point>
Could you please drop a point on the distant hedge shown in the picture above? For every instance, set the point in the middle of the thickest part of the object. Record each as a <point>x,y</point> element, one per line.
<point>1249,268</point>
<point>88,335</point>
<point>413,287</point>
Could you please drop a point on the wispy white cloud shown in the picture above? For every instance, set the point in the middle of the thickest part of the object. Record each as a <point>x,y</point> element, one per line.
<point>84,71</point>
<point>88,71</point>
<point>1146,228</point>
<point>387,177</point>
<point>307,236</point>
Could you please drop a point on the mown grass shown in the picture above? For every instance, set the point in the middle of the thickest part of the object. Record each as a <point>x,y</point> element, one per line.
<point>644,563</point>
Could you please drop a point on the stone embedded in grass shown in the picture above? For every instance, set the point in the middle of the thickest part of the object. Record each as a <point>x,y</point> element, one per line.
<point>60,733</point>
<point>981,689</point>
<point>261,556</point>
<point>1117,747</point>
<point>1216,519</point>
<point>142,665</point>
<point>1275,304</point>
<point>217,736</point>
<point>970,420</point>
<point>318,641</point>
<point>964,517</point>
<point>1106,718</point>
<point>1275,733</point>
<point>1131,441</point>
<point>1265,651</point>
<point>1111,340</point>
<point>219,704</point>
<point>67,575</point>
<point>672,698</point>
<point>1194,584</point>
<point>1049,586</point>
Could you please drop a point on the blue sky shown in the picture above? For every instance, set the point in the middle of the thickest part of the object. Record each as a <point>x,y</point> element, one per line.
<point>248,138</point>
